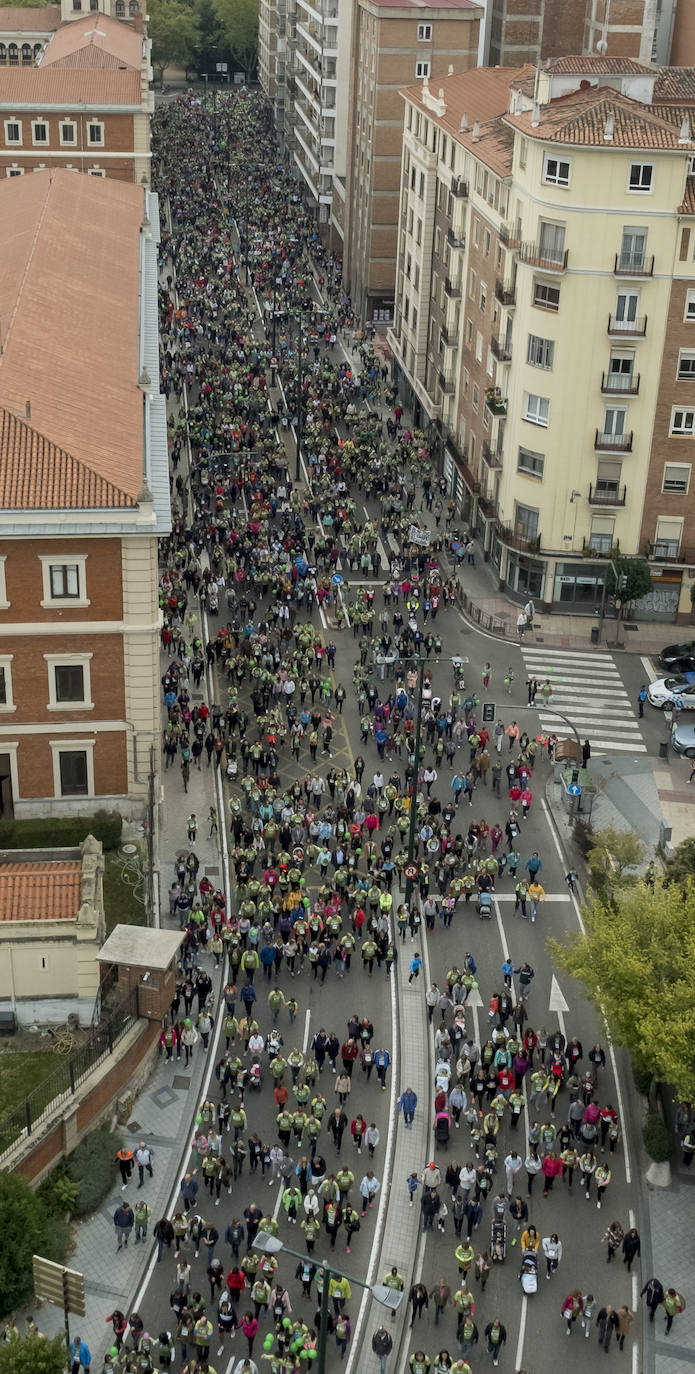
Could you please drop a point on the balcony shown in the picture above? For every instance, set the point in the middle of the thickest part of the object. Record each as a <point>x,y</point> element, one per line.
<point>664,552</point>
<point>627,329</point>
<point>448,337</point>
<point>518,539</point>
<point>453,239</point>
<point>505,292</point>
<point>495,401</point>
<point>448,383</point>
<point>510,235</point>
<point>613,443</point>
<point>459,188</point>
<point>491,457</point>
<point>607,496</point>
<point>488,504</point>
<point>633,265</point>
<point>452,289</point>
<point>537,255</point>
<point>620,383</point>
<point>460,456</point>
<point>501,351</point>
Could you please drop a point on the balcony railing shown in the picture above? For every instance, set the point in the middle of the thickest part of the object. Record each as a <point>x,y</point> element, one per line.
<point>448,337</point>
<point>501,351</point>
<point>452,289</point>
<point>495,401</point>
<point>448,383</point>
<point>630,329</point>
<point>510,235</point>
<point>453,239</point>
<point>633,265</point>
<point>505,292</point>
<point>491,457</point>
<point>488,505</point>
<point>606,496</point>
<point>537,255</point>
<point>459,188</point>
<point>662,551</point>
<point>461,458</point>
<point>620,383</point>
<point>613,443</point>
<point>518,539</point>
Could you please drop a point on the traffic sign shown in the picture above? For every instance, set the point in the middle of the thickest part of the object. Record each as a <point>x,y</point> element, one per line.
<point>58,1285</point>
<point>410,870</point>
<point>337,580</point>
<point>574,789</point>
<point>488,710</point>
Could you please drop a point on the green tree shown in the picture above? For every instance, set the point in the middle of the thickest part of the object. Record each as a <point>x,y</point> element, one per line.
<point>173,28</point>
<point>635,960</point>
<point>33,1355</point>
<point>682,865</point>
<point>612,852</point>
<point>638,581</point>
<point>209,36</point>
<point>239,31</point>
<point>28,1229</point>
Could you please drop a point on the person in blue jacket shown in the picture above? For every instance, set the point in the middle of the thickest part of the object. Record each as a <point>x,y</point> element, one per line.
<point>80,1355</point>
<point>407,1103</point>
<point>382,1059</point>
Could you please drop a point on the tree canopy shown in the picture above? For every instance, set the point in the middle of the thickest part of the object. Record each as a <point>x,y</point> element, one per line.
<point>173,28</point>
<point>635,961</point>
<point>638,580</point>
<point>28,1228</point>
<point>612,852</point>
<point>238,21</point>
<point>33,1355</point>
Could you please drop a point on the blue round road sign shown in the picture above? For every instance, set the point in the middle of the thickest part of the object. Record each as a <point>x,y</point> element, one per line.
<point>574,789</point>
<point>337,580</point>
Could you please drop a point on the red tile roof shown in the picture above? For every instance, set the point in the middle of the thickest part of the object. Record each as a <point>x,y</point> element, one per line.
<point>595,63</point>
<point>94,41</point>
<point>688,205</point>
<point>675,84</point>
<point>36,475</point>
<point>482,94</point>
<point>42,86</point>
<point>41,891</point>
<point>69,348</point>
<point>580,119</point>
<point>426,4</point>
<point>16,19</point>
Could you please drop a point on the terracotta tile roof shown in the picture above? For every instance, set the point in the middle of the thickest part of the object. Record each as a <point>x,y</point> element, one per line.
<point>608,66</point>
<point>41,891</point>
<point>42,86</point>
<point>36,475</point>
<point>426,4</point>
<point>69,349</point>
<point>482,94</point>
<point>675,114</point>
<point>95,41</point>
<point>675,84</point>
<point>14,19</point>
<point>580,119</point>
<point>688,205</point>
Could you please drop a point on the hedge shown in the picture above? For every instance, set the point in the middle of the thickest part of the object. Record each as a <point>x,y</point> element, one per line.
<point>92,1166</point>
<point>61,832</point>
<point>658,1140</point>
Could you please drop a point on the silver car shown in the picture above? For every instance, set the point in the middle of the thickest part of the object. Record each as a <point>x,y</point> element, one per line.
<point>683,738</point>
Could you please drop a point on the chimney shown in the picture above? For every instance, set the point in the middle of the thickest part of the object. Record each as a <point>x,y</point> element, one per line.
<point>608,129</point>
<point>684,136</point>
<point>27,410</point>
<point>476,131</point>
<point>450,69</point>
<point>536,116</point>
<point>464,122</point>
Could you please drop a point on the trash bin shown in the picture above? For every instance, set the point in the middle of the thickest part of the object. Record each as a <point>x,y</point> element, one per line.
<point>663,749</point>
<point>595,632</point>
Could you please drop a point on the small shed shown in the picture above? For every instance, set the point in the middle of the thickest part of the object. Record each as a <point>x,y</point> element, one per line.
<point>136,957</point>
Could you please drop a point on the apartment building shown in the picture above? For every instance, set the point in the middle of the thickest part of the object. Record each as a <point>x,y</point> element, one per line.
<point>519,31</point>
<point>545,317</point>
<point>84,495</point>
<point>25,32</point>
<point>85,105</point>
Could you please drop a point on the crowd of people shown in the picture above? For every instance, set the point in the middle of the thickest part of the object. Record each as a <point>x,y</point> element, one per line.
<point>320,840</point>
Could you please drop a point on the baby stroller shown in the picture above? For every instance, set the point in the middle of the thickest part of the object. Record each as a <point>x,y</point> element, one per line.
<point>484,906</point>
<point>529,1272</point>
<point>442,1125</point>
<point>498,1242</point>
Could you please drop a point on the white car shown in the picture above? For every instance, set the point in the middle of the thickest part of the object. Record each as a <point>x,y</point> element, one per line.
<point>669,692</point>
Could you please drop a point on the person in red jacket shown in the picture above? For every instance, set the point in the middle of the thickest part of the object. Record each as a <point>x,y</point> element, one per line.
<point>236,1283</point>
<point>551,1166</point>
<point>357,1130</point>
<point>349,1051</point>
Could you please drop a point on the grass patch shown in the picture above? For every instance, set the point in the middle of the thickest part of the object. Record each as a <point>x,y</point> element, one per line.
<point>122,888</point>
<point>21,1072</point>
<point>61,832</point>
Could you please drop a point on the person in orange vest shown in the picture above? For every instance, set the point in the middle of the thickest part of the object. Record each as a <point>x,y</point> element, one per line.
<point>125,1162</point>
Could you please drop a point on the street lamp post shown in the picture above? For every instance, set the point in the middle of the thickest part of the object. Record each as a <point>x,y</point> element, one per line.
<point>300,396</point>
<point>412,835</point>
<point>389,1297</point>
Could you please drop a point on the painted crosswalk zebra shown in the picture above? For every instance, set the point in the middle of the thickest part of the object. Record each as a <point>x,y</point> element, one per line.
<point>588,689</point>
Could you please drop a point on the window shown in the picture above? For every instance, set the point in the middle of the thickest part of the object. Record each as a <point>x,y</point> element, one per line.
<point>620,370</point>
<point>13,131</point>
<point>96,172</point>
<point>483,297</point>
<point>64,582</point>
<point>689,305</point>
<point>548,297</point>
<point>422,69</point>
<point>479,346</point>
<point>525,521</point>
<point>476,397</point>
<point>601,536</point>
<point>424,33</point>
<point>6,701</point>
<point>530,463</point>
<point>95,134</point>
<point>4,603</point>
<point>421,187</point>
<point>15,171</point>
<point>540,352</point>
<point>633,250</point>
<point>683,421</point>
<point>68,132</point>
<point>536,409</point>
<point>686,365</point>
<point>640,176</point>
<point>69,682</point>
<point>39,131</point>
<point>73,773</point>
<point>676,478</point>
<point>667,542</point>
<point>556,171</point>
<point>551,245</point>
<point>522,153</point>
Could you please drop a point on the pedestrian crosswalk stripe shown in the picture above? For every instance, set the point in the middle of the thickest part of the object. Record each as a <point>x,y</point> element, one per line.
<point>586,688</point>
<point>574,670</point>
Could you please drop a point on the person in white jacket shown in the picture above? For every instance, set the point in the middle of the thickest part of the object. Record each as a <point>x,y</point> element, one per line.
<point>369,1188</point>
<point>552,1249</point>
<point>312,1205</point>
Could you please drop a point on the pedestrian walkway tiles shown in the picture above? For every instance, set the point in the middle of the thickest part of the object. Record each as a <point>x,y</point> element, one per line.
<point>588,689</point>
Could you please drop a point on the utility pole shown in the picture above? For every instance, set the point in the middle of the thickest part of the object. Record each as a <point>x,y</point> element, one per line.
<point>412,831</point>
<point>300,397</point>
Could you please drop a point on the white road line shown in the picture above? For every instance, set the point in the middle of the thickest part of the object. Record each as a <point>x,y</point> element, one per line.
<point>581,712</point>
<point>522,1334</point>
<point>651,674</point>
<point>307,1019</point>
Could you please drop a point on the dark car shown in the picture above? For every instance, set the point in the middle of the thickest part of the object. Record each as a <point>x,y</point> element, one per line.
<point>680,657</point>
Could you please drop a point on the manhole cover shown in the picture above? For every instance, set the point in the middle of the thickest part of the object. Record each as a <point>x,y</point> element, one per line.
<point>212,872</point>
<point>134,1126</point>
<point>180,1082</point>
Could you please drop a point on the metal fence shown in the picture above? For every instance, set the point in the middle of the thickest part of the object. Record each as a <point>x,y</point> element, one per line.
<point>68,1075</point>
<point>496,624</point>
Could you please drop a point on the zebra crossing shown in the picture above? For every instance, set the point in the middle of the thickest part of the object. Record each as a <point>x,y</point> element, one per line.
<point>589,691</point>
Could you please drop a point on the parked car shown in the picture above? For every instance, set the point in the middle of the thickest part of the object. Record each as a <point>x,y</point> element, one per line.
<point>678,691</point>
<point>683,738</point>
<point>678,658</point>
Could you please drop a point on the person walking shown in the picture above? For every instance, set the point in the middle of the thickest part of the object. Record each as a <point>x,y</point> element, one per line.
<point>673,1304</point>
<point>613,1238</point>
<point>143,1159</point>
<point>80,1355</point>
<point>495,1335</point>
<point>382,1345</point>
<point>606,1322</point>
<point>418,1298</point>
<point>641,698</point>
<point>415,966</point>
<point>631,1247</point>
<point>552,1249</point>
<point>624,1320</point>
<point>653,1292</point>
<point>407,1103</point>
<point>512,1164</point>
<point>124,1221</point>
<point>572,1309</point>
<point>125,1162</point>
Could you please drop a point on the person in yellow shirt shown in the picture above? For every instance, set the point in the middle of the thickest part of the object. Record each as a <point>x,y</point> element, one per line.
<point>536,894</point>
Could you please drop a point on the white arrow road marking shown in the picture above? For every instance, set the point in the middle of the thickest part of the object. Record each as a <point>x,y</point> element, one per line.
<point>558,1004</point>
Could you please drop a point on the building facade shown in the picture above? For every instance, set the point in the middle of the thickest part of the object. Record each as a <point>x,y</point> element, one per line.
<point>547,333</point>
<point>85,105</point>
<point>83,496</point>
<point>520,31</point>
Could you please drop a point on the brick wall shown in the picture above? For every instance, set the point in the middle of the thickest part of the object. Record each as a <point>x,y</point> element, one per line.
<point>119,137</point>
<point>25,582</point>
<point>35,763</point>
<point>666,448</point>
<point>30,677</point>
